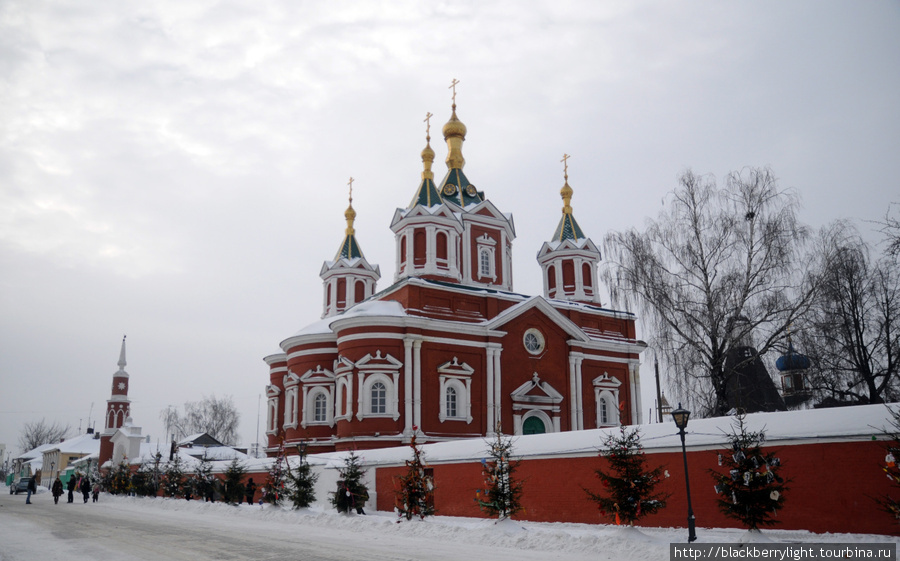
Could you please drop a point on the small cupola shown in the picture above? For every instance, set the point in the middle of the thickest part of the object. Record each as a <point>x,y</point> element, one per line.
<point>569,260</point>
<point>349,278</point>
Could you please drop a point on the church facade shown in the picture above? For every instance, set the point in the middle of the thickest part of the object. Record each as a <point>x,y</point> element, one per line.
<point>449,350</point>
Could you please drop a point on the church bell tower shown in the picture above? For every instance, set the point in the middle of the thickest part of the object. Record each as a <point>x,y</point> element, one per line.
<point>118,408</point>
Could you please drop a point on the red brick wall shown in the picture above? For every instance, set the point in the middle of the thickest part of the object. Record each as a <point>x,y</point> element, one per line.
<point>830,489</point>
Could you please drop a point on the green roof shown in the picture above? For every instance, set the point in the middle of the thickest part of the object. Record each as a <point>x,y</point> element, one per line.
<point>349,249</point>
<point>461,195</point>
<point>568,229</point>
<point>426,195</point>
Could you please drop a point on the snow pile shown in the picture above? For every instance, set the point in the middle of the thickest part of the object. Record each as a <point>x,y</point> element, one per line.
<point>610,542</point>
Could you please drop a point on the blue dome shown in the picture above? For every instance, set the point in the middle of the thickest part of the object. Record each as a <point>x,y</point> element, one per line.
<point>792,360</point>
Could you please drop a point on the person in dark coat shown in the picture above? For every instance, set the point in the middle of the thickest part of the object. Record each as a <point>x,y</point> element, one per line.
<point>57,490</point>
<point>249,491</point>
<point>96,490</point>
<point>86,487</point>
<point>70,486</point>
<point>32,488</point>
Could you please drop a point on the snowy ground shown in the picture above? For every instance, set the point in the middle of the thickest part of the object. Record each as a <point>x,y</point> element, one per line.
<point>121,529</point>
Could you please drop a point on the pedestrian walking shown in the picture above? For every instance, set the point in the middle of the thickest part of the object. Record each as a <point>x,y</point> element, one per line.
<point>86,488</point>
<point>57,490</point>
<point>70,486</point>
<point>96,491</point>
<point>249,491</point>
<point>32,488</point>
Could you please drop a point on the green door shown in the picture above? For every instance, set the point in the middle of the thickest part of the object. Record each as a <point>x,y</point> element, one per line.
<point>533,425</point>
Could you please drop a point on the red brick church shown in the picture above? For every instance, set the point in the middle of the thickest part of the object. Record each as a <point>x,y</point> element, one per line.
<point>449,350</point>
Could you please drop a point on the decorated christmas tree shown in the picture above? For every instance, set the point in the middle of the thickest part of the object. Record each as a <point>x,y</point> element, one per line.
<point>415,495</point>
<point>888,502</point>
<point>274,488</point>
<point>749,487</point>
<point>173,483</point>
<point>629,487</point>
<point>302,488</point>
<point>351,492</point>
<point>234,482</point>
<point>502,491</point>
<point>119,481</point>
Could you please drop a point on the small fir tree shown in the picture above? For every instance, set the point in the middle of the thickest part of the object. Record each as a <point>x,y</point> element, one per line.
<point>234,482</point>
<point>502,492</point>
<point>351,492</point>
<point>887,502</point>
<point>415,496</point>
<point>173,482</point>
<point>302,488</point>
<point>274,488</point>
<point>203,480</point>
<point>749,486</point>
<point>629,491</point>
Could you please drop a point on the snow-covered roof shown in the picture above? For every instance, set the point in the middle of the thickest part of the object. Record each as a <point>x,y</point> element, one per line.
<point>215,453</point>
<point>367,308</point>
<point>81,444</point>
<point>842,423</point>
<point>36,452</point>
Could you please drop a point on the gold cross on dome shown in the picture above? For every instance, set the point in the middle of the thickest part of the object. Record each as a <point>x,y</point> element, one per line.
<point>565,161</point>
<point>428,117</point>
<point>453,86</point>
<point>350,183</point>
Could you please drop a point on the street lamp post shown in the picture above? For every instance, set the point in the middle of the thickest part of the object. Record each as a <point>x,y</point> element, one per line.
<point>50,479</point>
<point>681,417</point>
<point>301,448</point>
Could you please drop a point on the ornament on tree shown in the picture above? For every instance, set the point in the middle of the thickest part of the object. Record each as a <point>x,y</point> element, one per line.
<point>749,488</point>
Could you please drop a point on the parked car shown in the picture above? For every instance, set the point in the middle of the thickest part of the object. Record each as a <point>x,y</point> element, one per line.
<point>19,486</point>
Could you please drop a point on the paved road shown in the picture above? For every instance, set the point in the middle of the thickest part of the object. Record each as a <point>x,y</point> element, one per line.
<point>111,530</point>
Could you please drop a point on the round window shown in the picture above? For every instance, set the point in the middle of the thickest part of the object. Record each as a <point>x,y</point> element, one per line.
<point>533,341</point>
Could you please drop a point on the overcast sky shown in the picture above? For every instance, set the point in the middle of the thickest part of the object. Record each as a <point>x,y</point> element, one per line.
<point>177,170</point>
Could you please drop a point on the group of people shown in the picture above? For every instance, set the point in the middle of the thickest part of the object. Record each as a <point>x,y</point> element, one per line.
<point>81,483</point>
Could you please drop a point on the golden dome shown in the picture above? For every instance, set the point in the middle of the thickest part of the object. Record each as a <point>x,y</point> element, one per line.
<point>454,127</point>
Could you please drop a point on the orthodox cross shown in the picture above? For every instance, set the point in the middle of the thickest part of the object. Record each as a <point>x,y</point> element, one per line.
<point>350,183</point>
<point>453,86</point>
<point>428,117</point>
<point>565,162</point>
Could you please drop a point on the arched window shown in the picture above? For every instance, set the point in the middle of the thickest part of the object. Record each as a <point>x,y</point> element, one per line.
<point>378,399</point>
<point>568,269</point>
<point>320,414</point>
<point>360,291</point>
<point>328,295</point>
<point>402,250</point>
<point>604,412</point>
<point>450,403</point>
<point>551,279</point>
<point>341,294</point>
<point>441,241</point>
<point>586,276</point>
<point>419,242</point>
<point>484,260</point>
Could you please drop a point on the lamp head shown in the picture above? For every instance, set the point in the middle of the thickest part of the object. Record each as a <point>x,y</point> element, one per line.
<point>681,417</point>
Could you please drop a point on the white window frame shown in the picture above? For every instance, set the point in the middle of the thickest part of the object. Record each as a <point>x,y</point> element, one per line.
<point>543,416</point>
<point>369,379</point>
<point>378,368</point>
<point>309,406</point>
<point>606,390</point>
<point>486,248</point>
<point>272,393</point>
<point>291,384</point>
<point>458,376</point>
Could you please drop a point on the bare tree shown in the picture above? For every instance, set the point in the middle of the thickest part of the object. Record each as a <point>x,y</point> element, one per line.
<point>217,417</point>
<point>35,433</point>
<point>713,255</point>
<point>852,334</point>
<point>890,227</point>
